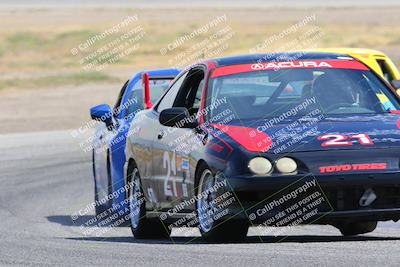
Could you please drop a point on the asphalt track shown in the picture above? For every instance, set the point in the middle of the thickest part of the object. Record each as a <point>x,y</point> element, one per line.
<point>45,178</point>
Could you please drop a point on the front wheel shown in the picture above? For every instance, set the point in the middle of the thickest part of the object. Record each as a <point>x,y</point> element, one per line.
<point>356,228</point>
<point>211,228</point>
<point>142,227</point>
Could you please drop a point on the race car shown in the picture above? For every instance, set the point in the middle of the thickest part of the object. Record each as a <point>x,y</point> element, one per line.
<point>108,155</point>
<point>274,140</point>
<point>376,60</point>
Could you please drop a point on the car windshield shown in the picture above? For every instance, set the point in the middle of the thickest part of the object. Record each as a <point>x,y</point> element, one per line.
<point>271,93</point>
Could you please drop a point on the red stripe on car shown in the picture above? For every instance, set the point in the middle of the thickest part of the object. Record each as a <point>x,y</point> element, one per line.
<point>249,138</point>
<point>299,64</point>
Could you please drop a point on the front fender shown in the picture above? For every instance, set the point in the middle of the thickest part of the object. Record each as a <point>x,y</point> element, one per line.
<point>128,157</point>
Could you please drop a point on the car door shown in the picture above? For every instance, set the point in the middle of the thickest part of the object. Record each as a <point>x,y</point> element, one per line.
<point>172,146</point>
<point>145,127</point>
<point>118,141</point>
<point>102,153</point>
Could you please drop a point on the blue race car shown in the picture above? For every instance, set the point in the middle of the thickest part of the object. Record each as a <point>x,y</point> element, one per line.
<point>110,137</point>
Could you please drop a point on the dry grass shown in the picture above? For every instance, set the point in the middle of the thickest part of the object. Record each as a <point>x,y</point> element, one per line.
<point>38,42</point>
<point>35,47</point>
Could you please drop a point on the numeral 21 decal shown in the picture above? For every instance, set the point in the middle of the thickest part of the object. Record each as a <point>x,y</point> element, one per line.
<point>177,171</point>
<point>171,167</point>
<point>344,140</point>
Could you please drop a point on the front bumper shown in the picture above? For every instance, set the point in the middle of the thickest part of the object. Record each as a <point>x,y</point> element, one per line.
<point>359,215</point>
<point>260,183</point>
<point>328,198</point>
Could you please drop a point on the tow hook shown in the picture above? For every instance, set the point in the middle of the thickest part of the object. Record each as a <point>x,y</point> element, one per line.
<point>367,198</point>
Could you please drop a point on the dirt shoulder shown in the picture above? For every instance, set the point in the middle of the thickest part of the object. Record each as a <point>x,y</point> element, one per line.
<point>67,107</point>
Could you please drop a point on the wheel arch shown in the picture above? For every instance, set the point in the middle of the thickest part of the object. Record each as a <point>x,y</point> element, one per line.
<point>197,173</point>
<point>93,165</point>
<point>130,162</point>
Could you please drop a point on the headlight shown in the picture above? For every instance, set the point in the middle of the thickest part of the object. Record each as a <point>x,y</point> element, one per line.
<point>286,165</point>
<point>260,166</point>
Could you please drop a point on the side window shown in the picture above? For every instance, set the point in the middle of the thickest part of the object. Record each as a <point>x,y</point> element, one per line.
<point>158,87</point>
<point>168,100</point>
<point>386,70</point>
<point>116,109</point>
<point>135,100</point>
<point>135,103</point>
<point>197,100</point>
<point>190,94</point>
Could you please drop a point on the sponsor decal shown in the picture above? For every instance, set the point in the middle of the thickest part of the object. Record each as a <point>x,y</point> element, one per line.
<point>299,64</point>
<point>185,164</point>
<point>290,64</point>
<point>353,167</point>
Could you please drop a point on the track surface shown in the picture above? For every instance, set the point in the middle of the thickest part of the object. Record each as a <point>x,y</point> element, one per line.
<point>45,178</point>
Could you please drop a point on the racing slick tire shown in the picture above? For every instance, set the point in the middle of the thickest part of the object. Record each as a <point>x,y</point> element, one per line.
<point>141,226</point>
<point>100,208</point>
<point>228,230</point>
<point>357,228</point>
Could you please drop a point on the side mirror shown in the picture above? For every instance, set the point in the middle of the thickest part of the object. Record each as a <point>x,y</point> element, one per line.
<point>177,117</point>
<point>102,113</point>
<point>396,84</point>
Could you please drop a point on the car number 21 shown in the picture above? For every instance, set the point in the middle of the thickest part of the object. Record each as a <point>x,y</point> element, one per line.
<point>344,140</point>
<point>170,165</point>
<point>177,172</point>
